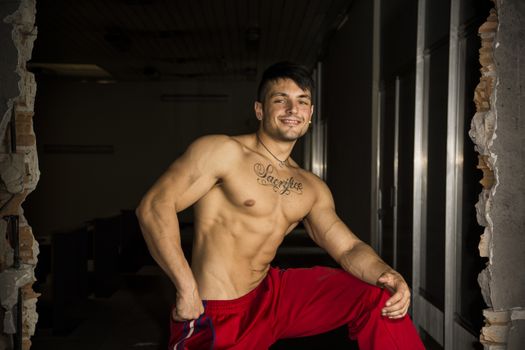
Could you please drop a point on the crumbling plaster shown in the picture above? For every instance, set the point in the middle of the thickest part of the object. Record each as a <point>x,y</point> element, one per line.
<point>19,172</point>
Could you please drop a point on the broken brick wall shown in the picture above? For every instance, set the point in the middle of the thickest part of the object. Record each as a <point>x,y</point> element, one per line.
<point>18,166</point>
<point>498,130</point>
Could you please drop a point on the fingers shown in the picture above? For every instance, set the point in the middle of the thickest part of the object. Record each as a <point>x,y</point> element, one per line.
<point>397,310</point>
<point>176,317</point>
<point>188,306</point>
<point>384,278</point>
<point>397,305</point>
<point>182,318</point>
<point>181,315</point>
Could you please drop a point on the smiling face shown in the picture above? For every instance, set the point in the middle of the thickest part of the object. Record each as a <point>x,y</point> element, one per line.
<point>285,111</point>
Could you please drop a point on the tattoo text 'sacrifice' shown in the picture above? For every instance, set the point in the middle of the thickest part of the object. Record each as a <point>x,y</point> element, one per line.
<point>266,177</point>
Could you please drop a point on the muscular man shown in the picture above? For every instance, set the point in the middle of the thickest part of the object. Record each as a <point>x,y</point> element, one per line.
<point>248,194</point>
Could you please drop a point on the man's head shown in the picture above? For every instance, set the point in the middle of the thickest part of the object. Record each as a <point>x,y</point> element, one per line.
<point>285,70</point>
<point>284,104</point>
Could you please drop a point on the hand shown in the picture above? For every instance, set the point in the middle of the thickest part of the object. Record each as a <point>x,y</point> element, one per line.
<point>397,306</point>
<point>188,307</point>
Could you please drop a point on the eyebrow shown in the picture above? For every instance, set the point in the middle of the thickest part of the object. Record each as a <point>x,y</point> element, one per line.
<point>286,95</point>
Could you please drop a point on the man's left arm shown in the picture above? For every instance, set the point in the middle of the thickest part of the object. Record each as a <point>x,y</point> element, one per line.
<point>355,256</point>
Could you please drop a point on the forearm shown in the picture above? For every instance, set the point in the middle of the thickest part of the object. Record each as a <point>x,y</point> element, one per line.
<point>160,228</point>
<point>364,263</point>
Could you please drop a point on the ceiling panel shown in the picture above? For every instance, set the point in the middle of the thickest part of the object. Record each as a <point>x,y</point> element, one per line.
<point>175,39</point>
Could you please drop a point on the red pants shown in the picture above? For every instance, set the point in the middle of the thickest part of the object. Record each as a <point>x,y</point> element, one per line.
<point>296,303</point>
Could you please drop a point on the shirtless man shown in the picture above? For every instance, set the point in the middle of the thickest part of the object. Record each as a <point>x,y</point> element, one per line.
<point>248,194</point>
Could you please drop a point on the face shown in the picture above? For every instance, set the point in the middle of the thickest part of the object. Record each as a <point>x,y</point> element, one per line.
<point>286,110</point>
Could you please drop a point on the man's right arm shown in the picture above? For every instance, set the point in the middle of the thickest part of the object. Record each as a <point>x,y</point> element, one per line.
<point>187,180</point>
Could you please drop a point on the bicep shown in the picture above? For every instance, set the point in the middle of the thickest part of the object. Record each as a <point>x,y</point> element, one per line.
<point>188,178</point>
<point>327,229</point>
<point>181,185</point>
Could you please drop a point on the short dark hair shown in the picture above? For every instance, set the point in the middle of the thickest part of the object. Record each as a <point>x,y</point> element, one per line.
<point>285,70</point>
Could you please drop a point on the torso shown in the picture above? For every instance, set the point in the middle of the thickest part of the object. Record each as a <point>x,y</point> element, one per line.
<point>243,219</point>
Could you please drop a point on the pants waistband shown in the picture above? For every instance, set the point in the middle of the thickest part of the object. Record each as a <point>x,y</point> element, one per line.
<point>241,302</point>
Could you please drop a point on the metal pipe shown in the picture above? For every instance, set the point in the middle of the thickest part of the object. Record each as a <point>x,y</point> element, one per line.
<point>419,185</point>
<point>454,173</point>
<point>19,321</point>
<point>12,129</point>
<point>396,174</point>
<point>14,238</point>
<point>375,203</point>
<point>14,241</point>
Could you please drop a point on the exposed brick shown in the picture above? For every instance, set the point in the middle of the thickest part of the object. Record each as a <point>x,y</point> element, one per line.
<point>495,333</point>
<point>486,60</point>
<point>26,233</point>
<point>24,116</point>
<point>488,346</point>
<point>26,140</point>
<point>28,291</point>
<point>489,26</point>
<point>487,43</point>
<point>13,207</point>
<point>483,245</point>
<point>488,174</point>
<point>496,317</point>
<point>26,254</point>
<point>482,94</point>
<point>24,126</point>
<point>26,344</point>
<point>493,15</point>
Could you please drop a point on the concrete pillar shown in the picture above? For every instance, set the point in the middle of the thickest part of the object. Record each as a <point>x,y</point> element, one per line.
<point>498,130</point>
<point>18,165</point>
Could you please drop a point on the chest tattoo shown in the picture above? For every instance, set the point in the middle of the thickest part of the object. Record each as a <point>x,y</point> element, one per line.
<point>267,176</point>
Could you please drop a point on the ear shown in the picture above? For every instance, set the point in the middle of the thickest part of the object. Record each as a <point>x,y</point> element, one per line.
<point>311,112</point>
<point>258,107</point>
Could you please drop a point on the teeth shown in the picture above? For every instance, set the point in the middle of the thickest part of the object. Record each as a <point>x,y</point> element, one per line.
<point>291,121</point>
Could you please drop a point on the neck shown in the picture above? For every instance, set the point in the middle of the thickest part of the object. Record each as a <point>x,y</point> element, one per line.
<point>277,149</point>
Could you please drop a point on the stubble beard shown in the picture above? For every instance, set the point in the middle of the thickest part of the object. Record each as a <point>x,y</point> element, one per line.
<point>281,135</point>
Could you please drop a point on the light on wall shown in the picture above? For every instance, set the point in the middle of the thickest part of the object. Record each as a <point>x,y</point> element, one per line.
<point>194,98</point>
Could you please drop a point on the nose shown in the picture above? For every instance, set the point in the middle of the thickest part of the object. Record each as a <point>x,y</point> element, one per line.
<point>292,107</point>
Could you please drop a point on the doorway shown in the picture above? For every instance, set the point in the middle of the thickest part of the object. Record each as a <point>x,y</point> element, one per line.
<point>427,177</point>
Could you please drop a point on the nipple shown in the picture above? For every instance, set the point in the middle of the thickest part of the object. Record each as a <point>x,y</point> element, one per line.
<point>249,203</point>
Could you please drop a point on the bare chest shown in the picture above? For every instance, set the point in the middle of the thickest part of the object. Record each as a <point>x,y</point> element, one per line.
<point>261,189</point>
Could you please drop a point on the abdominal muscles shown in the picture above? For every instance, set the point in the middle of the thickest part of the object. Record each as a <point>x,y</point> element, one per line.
<point>232,255</point>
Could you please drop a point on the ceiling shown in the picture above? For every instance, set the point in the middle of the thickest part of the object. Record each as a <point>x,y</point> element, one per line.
<point>128,40</point>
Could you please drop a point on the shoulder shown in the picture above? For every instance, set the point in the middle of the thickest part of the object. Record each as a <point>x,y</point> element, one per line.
<point>214,142</point>
<point>319,187</point>
<point>313,179</point>
<point>215,146</point>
